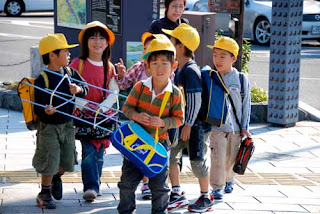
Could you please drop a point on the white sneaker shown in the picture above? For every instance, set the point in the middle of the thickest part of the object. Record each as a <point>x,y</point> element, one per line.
<point>99,193</point>
<point>90,195</point>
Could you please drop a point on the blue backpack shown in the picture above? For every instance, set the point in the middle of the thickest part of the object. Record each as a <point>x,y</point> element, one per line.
<point>214,108</point>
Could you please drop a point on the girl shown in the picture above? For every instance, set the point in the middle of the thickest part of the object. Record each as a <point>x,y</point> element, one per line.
<point>172,17</point>
<point>95,67</point>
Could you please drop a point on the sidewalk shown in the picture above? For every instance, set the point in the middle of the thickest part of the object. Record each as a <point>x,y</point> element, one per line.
<point>282,177</point>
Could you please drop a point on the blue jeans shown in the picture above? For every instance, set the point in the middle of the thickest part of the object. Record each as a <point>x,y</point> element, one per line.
<point>130,179</point>
<point>91,166</point>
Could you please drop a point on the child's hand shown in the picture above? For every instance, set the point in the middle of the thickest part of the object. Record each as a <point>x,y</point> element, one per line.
<point>50,110</point>
<point>142,118</point>
<point>245,133</point>
<point>185,133</point>
<point>157,122</point>
<point>74,89</point>
<point>121,68</point>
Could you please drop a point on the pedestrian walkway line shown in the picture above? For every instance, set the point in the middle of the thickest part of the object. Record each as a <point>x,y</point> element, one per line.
<point>301,179</point>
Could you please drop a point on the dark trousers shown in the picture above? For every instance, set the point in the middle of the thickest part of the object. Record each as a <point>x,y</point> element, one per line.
<point>91,166</point>
<point>130,179</point>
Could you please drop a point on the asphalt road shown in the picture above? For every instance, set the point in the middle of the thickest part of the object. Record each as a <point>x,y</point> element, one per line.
<point>17,35</point>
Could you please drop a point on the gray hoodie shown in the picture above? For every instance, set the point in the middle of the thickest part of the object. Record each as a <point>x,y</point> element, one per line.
<point>243,109</point>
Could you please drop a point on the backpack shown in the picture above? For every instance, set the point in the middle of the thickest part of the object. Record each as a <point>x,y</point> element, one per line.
<point>25,91</point>
<point>214,108</point>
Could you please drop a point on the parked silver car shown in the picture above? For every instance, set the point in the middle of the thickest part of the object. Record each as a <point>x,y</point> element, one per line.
<point>258,14</point>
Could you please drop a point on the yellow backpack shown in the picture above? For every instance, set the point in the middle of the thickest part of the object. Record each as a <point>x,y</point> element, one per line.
<point>26,93</point>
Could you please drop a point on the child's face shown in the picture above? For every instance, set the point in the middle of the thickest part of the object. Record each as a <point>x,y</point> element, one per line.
<point>175,10</point>
<point>97,44</point>
<point>61,59</point>
<point>223,60</point>
<point>160,68</point>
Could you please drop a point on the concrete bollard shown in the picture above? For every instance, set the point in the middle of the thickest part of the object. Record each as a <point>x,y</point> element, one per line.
<point>35,61</point>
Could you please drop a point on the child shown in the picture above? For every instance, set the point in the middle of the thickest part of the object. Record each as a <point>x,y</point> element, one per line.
<point>142,106</point>
<point>55,152</point>
<point>186,40</point>
<point>96,40</point>
<point>127,79</point>
<point>225,140</point>
<point>172,17</point>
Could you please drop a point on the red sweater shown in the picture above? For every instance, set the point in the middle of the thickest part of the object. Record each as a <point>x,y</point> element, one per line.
<point>94,75</point>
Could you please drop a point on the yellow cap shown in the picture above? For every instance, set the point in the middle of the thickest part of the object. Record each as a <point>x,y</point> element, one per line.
<point>226,43</point>
<point>186,34</point>
<point>97,24</point>
<point>53,42</point>
<point>145,36</point>
<point>159,43</point>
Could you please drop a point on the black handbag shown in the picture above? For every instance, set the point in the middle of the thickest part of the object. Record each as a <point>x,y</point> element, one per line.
<point>85,131</point>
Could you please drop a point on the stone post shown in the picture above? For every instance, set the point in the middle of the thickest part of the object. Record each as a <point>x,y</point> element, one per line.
<point>284,69</point>
<point>35,61</point>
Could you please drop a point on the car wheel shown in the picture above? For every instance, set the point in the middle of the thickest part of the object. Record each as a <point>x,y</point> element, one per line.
<point>262,31</point>
<point>14,8</point>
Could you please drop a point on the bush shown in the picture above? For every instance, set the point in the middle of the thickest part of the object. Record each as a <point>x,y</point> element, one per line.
<point>258,95</point>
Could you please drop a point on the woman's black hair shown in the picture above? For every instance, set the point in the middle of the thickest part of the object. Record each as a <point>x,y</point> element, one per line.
<point>46,59</point>
<point>84,46</point>
<point>168,2</point>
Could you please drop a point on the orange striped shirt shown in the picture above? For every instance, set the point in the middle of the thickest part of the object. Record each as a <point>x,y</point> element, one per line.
<point>140,100</point>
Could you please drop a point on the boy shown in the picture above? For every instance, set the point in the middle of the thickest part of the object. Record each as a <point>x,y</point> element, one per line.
<point>225,140</point>
<point>142,106</point>
<point>186,40</point>
<point>55,152</point>
<point>129,78</point>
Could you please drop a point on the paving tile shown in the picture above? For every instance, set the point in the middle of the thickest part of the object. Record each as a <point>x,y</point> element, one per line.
<point>30,209</point>
<point>290,200</point>
<point>312,208</point>
<point>267,207</point>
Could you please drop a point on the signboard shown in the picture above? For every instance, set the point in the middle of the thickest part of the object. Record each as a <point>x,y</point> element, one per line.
<point>71,13</point>
<point>227,6</point>
<point>109,13</point>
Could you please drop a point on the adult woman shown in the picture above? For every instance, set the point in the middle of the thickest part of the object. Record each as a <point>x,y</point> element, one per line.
<point>172,17</point>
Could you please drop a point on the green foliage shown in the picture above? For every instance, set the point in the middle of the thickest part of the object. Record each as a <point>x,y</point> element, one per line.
<point>258,94</point>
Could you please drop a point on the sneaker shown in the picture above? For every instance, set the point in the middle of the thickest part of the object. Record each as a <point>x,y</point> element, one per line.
<point>90,195</point>
<point>217,194</point>
<point>45,200</point>
<point>177,201</point>
<point>99,193</point>
<point>203,204</point>
<point>56,187</point>
<point>229,187</point>
<point>145,192</point>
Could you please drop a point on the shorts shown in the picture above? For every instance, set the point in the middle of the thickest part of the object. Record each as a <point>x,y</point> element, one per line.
<point>55,148</point>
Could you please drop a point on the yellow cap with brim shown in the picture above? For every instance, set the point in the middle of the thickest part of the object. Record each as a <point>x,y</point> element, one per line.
<point>97,24</point>
<point>160,43</point>
<point>186,34</point>
<point>53,42</point>
<point>227,44</point>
